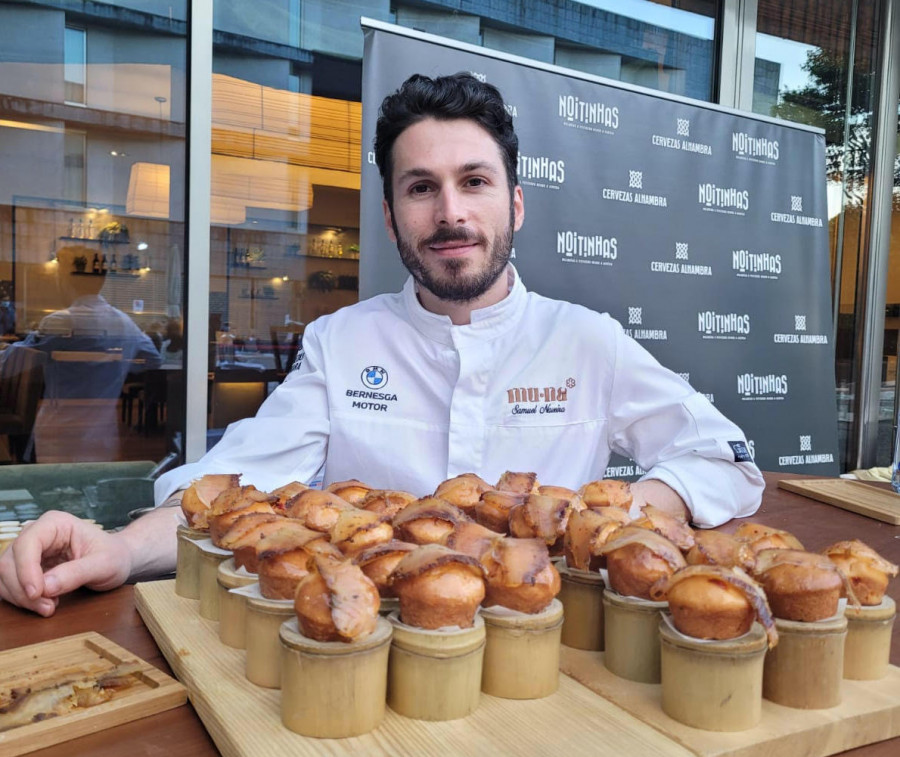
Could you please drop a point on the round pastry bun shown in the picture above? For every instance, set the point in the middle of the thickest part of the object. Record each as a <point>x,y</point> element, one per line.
<point>709,609</point>
<point>797,593</point>
<point>633,569</point>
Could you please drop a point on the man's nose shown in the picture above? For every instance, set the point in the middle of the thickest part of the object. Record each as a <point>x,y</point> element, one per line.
<point>451,208</point>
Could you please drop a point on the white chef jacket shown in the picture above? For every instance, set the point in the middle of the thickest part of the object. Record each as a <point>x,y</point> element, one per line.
<point>399,397</point>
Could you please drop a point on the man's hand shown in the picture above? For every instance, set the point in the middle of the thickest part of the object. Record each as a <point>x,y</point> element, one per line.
<point>55,555</point>
<point>59,552</point>
<point>661,496</point>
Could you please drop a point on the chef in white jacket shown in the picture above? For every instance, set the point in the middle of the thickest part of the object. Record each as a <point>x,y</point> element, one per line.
<point>464,370</point>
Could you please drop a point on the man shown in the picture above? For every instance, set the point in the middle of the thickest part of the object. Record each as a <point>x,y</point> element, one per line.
<point>91,347</point>
<point>445,377</point>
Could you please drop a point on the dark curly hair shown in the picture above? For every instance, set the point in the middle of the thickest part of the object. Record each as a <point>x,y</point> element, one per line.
<point>444,98</point>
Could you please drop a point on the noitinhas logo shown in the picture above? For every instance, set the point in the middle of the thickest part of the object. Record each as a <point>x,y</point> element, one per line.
<point>598,117</point>
<point>598,249</point>
<point>756,265</point>
<point>733,326</point>
<point>751,386</point>
<point>730,200</point>
<point>745,146</point>
<point>541,171</point>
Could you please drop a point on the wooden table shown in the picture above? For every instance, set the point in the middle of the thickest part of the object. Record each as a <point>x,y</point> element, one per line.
<point>180,732</point>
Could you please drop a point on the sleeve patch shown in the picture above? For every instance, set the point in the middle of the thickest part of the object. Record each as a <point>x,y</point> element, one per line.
<point>741,453</point>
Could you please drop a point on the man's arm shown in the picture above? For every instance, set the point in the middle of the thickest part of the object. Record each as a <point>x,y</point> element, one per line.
<point>680,439</point>
<point>59,552</point>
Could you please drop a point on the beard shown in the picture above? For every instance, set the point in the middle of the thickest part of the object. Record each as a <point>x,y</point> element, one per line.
<point>450,279</point>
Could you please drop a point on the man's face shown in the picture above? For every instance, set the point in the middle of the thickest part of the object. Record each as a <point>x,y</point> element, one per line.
<point>453,217</point>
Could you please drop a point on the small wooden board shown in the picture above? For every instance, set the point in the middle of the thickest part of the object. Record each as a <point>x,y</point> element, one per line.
<point>855,496</point>
<point>70,657</point>
<point>245,719</point>
<point>869,712</point>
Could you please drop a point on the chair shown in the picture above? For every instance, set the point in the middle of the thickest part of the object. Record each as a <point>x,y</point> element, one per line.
<point>285,345</point>
<point>21,387</point>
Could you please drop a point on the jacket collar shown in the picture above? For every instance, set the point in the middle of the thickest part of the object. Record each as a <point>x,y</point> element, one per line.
<point>486,323</point>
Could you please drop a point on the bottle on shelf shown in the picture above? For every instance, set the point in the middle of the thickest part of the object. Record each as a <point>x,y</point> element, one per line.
<point>113,264</point>
<point>90,229</point>
<point>95,265</point>
<point>79,229</point>
<point>225,346</point>
<point>104,264</point>
<point>71,231</point>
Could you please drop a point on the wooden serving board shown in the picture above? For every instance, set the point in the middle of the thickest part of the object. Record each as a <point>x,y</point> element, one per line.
<point>625,718</point>
<point>869,712</point>
<point>72,657</point>
<point>855,496</point>
<point>245,719</point>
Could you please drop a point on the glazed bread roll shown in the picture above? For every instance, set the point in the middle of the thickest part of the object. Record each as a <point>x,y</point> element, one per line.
<point>800,585</point>
<point>378,563</point>
<point>351,491</point>
<point>608,492</point>
<point>438,587</point>
<point>427,521</point>
<point>492,510</point>
<point>637,558</point>
<point>715,602</point>
<point>464,491</point>
<point>336,601</point>
<point>867,571</point>
<point>386,502</point>
<point>587,531</point>
<point>519,575</point>
<point>199,496</point>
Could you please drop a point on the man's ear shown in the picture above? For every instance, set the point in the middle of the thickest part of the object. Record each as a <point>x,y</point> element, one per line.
<point>518,208</point>
<point>388,221</point>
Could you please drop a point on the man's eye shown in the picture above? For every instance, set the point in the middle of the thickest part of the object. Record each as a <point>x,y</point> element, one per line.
<point>476,181</point>
<point>419,189</point>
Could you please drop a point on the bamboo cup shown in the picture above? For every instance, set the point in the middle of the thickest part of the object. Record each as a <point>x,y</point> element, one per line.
<point>521,652</point>
<point>867,649</point>
<point>714,685</point>
<point>264,619</point>
<point>804,670</point>
<point>233,607</point>
<point>187,566</point>
<point>435,675</point>
<point>581,594</point>
<point>210,559</point>
<point>632,637</point>
<point>331,690</point>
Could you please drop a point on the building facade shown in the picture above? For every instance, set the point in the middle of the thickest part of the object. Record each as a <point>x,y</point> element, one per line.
<point>193,167</point>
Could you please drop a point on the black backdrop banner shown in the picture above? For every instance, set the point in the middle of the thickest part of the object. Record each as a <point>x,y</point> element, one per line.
<point>702,230</point>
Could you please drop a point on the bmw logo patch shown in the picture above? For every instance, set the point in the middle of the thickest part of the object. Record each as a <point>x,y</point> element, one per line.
<point>374,377</point>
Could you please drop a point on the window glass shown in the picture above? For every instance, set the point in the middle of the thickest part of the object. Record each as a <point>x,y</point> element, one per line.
<point>75,64</point>
<point>804,72</point>
<point>92,144</point>
<point>286,147</point>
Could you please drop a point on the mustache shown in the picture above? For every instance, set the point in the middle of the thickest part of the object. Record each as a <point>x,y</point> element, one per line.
<point>454,234</point>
